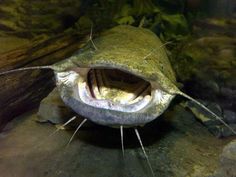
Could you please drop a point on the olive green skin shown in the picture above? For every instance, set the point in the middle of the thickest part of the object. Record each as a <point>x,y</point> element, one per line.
<point>137,50</point>
<point>131,49</point>
<point>128,47</point>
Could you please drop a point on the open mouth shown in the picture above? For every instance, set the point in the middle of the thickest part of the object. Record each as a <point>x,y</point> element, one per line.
<point>111,96</point>
<point>115,90</point>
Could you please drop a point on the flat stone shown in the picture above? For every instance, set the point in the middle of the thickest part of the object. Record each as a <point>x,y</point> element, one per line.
<point>227,91</point>
<point>221,131</point>
<point>227,166</point>
<point>214,126</point>
<point>213,86</point>
<point>228,159</point>
<point>230,116</point>
<point>204,116</point>
<point>52,109</point>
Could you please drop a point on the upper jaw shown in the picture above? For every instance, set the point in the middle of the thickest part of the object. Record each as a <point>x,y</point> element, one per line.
<point>80,90</point>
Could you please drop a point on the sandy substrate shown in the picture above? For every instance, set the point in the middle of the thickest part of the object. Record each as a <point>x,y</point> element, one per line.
<point>178,146</point>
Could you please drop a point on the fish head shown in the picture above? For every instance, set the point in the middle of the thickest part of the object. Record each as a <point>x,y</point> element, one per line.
<point>127,81</point>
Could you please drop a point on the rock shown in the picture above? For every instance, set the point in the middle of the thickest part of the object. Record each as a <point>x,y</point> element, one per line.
<point>52,109</point>
<point>225,91</point>
<point>214,126</point>
<point>205,117</point>
<point>230,116</point>
<point>221,131</point>
<point>226,53</point>
<point>210,75</point>
<point>22,91</point>
<point>36,17</point>
<point>227,161</point>
<point>213,86</point>
<point>215,108</point>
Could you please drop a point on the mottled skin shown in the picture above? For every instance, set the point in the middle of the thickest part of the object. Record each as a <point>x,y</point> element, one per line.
<point>129,48</point>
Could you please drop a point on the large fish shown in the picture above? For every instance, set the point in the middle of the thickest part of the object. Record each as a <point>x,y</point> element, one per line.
<point>126,80</point>
<point>121,79</point>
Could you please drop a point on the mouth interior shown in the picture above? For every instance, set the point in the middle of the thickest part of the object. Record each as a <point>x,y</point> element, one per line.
<point>117,86</point>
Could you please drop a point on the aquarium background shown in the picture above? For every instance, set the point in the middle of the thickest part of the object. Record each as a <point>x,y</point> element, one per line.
<point>201,43</point>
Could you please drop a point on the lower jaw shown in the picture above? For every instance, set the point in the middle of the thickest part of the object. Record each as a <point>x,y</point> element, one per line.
<point>80,98</point>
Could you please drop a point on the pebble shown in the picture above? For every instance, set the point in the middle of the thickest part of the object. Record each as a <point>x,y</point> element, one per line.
<point>52,109</point>
<point>227,166</point>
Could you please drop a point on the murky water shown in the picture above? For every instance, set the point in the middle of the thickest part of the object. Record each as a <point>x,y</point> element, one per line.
<point>201,36</point>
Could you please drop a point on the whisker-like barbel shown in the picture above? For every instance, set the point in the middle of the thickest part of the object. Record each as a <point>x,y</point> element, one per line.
<point>24,69</point>
<point>80,125</point>
<point>91,38</point>
<point>54,132</point>
<point>122,140</point>
<point>208,110</point>
<point>144,152</point>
